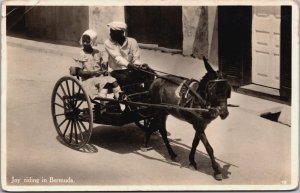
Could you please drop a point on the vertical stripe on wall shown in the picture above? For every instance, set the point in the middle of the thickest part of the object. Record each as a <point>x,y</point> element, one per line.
<point>200,45</point>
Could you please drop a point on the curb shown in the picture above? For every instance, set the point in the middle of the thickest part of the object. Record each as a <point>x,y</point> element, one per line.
<point>43,47</point>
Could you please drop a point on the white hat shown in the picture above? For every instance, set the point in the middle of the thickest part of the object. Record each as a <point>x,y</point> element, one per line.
<point>92,34</point>
<point>117,25</point>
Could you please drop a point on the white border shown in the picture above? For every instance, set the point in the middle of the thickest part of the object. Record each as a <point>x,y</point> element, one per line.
<point>295,95</point>
<point>293,3</point>
<point>3,98</point>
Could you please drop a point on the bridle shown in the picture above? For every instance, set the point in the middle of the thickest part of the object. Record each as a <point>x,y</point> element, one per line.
<point>215,91</point>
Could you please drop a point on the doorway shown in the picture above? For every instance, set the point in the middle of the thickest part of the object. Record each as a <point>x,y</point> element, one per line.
<point>161,25</point>
<point>266,46</point>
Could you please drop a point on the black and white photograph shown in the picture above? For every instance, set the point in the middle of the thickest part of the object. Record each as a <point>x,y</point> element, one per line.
<point>149,95</point>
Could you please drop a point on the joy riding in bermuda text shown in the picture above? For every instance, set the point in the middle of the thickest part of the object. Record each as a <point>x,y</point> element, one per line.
<point>41,180</point>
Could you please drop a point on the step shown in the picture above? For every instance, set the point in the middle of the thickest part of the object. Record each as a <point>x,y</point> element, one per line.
<point>263,92</point>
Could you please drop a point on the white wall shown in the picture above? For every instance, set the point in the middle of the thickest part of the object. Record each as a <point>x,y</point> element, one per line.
<point>213,34</point>
<point>100,16</point>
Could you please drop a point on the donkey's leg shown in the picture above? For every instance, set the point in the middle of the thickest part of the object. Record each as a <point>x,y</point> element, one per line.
<point>210,151</point>
<point>193,150</point>
<point>148,133</point>
<point>162,118</point>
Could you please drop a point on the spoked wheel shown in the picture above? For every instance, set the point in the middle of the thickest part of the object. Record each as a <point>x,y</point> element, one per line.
<point>72,112</point>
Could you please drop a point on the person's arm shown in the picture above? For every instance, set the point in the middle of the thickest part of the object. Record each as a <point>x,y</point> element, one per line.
<point>88,74</point>
<point>136,57</point>
<point>98,57</point>
<point>115,53</point>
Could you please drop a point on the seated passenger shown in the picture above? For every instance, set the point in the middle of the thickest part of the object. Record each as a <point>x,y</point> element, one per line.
<point>123,52</point>
<point>95,78</point>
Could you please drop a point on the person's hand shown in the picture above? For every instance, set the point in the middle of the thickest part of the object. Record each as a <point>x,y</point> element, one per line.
<point>131,66</point>
<point>105,73</point>
<point>145,66</point>
<point>134,66</point>
<point>98,73</point>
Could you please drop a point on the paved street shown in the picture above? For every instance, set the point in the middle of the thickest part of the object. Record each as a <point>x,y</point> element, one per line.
<point>249,149</point>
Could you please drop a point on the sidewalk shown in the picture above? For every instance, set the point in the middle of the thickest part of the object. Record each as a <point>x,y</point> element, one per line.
<point>171,63</point>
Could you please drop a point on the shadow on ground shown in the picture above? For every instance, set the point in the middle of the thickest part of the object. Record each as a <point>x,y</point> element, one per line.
<point>129,138</point>
<point>88,148</point>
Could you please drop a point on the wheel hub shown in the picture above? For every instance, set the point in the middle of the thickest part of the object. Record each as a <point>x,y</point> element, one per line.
<point>72,113</point>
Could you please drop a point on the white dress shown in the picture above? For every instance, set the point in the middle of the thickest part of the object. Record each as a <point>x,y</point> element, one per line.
<point>92,62</point>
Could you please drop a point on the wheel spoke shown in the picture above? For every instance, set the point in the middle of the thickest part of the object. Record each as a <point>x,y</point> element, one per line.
<point>79,128</point>
<point>71,133</point>
<point>78,93</point>
<point>62,99</point>
<point>66,128</point>
<point>60,106</point>
<point>62,88</point>
<point>79,104</point>
<point>68,89</point>
<point>62,122</point>
<point>65,94</point>
<point>83,125</point>
<point>75,132</point>
<point>84,118</point>
<point>59,114</point>
<point>59,96</point>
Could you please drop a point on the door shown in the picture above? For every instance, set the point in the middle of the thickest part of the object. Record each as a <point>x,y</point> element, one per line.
<point>65,23</point>
<point>266,46</point>
<point>161,25</point>
<point>234,24</point>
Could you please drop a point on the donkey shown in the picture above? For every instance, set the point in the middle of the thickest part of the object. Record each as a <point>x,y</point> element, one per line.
<point>200,103</point>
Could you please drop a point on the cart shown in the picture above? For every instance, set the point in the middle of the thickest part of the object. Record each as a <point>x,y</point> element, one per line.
<point>74,112</point>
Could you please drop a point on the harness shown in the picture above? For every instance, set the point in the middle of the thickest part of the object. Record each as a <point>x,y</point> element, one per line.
<point>190,91</point>
<point>187,91</point>
<point>183,92</point>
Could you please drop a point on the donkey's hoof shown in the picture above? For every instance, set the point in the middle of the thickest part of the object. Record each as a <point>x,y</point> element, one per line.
<point>175,159</point>
<point>145,149</point>
<point>218,177</point>
<point>193,166</point>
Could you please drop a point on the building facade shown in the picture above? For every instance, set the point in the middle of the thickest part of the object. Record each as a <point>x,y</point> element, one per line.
<point>250,45</point>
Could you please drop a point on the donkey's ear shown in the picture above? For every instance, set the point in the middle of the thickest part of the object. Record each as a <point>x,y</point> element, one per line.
<point>207,65</point>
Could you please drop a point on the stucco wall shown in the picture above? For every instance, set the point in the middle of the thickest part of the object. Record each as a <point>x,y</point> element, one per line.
<point>100,16</point>
<point>213,34</point>
<point>200,32</point>
<point>190,19</point>
<point>200,45</point>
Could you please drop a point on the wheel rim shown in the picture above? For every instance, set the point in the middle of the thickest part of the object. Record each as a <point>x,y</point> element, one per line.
<point>72,112</point>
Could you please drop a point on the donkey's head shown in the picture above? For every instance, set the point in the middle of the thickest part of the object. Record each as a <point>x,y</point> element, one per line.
<point>215,89</point>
